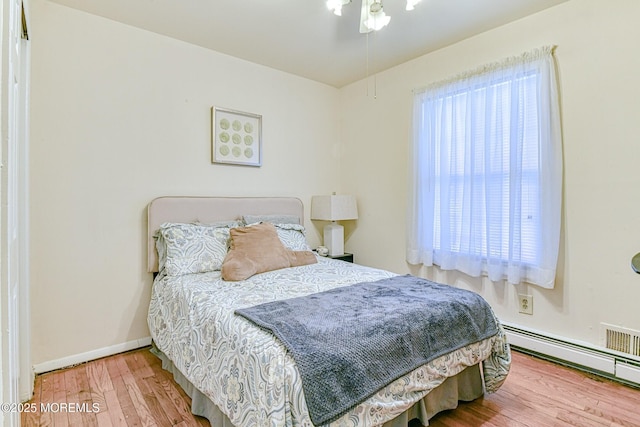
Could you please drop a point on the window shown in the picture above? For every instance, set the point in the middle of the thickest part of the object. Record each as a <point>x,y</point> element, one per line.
<point>487,172</point>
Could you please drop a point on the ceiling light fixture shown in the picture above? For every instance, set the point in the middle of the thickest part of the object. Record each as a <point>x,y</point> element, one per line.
<point>372,16</point>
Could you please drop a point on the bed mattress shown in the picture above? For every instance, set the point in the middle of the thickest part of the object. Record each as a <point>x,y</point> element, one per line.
<point>248,373</point>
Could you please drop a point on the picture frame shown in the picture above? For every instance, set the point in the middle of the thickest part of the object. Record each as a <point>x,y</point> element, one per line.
<point>236,137</point>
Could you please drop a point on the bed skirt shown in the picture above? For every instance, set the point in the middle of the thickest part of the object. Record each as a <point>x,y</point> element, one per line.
<point>466,386</point>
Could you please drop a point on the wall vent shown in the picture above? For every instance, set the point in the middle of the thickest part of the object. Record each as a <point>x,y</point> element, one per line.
<point>621,339</point>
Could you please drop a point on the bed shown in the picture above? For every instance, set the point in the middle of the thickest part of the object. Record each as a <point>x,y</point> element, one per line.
<point>239,374</point>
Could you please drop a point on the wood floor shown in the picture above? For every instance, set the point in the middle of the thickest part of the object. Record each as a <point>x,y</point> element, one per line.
<point>131,389</point>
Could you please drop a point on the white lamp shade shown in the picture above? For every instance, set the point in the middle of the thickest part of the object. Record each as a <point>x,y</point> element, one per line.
<point>334,208</point>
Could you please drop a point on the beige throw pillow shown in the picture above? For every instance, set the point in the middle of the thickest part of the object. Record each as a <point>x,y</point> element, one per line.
<point>257,249</point>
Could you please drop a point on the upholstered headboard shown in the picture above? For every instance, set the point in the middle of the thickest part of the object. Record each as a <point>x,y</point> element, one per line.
<point>211,209</point>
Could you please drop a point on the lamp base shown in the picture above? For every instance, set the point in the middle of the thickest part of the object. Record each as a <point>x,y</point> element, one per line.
<point>334,238</point>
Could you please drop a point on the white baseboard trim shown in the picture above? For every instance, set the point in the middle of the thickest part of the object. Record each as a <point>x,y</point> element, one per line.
<point>628,372</point>
<point>76,359</point>
<point>584,356</point>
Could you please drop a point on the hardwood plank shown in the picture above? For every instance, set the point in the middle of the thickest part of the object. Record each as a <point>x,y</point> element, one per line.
<point>85,400</point>
<point>73,394</point>
<point>136,395</point>
<point>516,408</point>
<point>99,379</point>
<point>126,404</point>
<point>137,365</point>
<point>541,393</point>
<point>32,417</point>
<point>99,384</point>
<point>133,390</point>
<point>146,418</point>
<point>178,397</point>
<point>617,415</point>
<point>151,360</point>
<point>46,418</point>
<point>103,419</point>
<point>166,403</point>
<point>155,408</point>
<point>60,418</point>
<point>169,376</point>
<point>113,367</point>
<point>153,392</point>
<point>115,410</point>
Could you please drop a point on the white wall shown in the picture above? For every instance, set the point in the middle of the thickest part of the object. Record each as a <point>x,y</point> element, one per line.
<point>120,116</point>
<point>598,69</point>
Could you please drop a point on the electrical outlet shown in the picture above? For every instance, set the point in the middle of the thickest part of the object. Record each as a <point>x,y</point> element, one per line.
<point>525,303</point>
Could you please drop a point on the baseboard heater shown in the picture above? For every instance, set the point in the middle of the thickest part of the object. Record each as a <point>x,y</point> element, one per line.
<point>607,363</point>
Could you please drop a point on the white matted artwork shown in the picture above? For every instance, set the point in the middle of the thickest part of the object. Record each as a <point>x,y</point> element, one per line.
<point>236,137</point>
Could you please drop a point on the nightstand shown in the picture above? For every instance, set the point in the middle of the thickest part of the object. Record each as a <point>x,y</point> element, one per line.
<point>344,257</point>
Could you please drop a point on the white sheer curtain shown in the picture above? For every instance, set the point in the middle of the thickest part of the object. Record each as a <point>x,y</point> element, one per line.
<point>486,172</point>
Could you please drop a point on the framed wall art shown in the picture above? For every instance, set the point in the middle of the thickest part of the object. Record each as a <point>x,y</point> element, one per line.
<point>236,137</point>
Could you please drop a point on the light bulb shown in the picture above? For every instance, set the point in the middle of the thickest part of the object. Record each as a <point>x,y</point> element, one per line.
<point>336,6</point>
<point>378,21</point>
<point>411,4</point>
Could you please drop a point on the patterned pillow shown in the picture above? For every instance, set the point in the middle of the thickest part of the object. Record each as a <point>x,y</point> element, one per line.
<point>273,219</point>
<point>293,236</point>
<point>191,248</point>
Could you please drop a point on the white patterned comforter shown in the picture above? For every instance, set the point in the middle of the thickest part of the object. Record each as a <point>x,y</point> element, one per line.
<point>247,372</point>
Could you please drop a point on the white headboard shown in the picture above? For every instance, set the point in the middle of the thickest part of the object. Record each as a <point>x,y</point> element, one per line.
<point>211,209</point>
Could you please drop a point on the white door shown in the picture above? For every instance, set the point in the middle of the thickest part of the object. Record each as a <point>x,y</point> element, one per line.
<point>26,374</point>
<point>13,220</point>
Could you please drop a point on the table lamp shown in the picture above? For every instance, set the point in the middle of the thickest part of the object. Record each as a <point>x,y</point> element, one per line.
<point>337,207</point>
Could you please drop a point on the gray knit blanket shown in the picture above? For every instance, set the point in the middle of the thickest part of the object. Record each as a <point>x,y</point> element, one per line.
<point>352,341</point>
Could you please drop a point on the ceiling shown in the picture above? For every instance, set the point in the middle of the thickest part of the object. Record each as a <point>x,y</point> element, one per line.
<point>303,37</point>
